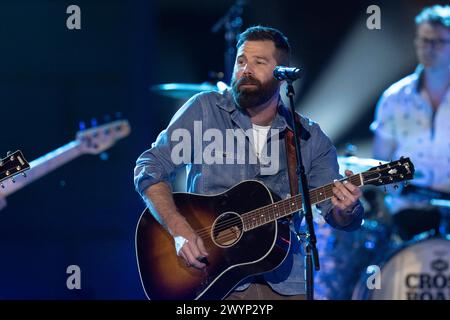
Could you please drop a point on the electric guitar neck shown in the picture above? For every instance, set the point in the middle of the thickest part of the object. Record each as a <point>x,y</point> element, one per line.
<point>90,141</point>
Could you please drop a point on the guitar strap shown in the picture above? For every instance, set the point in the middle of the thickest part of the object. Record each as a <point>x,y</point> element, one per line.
<point>291,159</point>
<point>291,156</point>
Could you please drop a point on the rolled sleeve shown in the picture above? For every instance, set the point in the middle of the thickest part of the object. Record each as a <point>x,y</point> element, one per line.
<point>357,213</point>
<point>156,164</point>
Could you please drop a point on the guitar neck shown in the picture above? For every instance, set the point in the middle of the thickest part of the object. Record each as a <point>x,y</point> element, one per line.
<point>43,166</point>
<point>286,207</point>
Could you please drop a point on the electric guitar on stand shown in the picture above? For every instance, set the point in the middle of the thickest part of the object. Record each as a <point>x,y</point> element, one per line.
<point>90,141</point>
<point>245,230</point>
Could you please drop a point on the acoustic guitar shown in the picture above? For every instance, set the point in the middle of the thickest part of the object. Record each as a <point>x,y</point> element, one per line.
<point>245,231</point>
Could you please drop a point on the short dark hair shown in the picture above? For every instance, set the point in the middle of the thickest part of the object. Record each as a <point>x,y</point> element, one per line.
<point>436,15</point>
<point>260,33</point>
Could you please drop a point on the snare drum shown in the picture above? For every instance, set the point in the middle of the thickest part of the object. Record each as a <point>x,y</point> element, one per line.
<point>418,271</point>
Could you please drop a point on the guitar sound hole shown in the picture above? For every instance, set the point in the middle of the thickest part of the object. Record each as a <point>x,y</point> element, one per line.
<point>227,229</point>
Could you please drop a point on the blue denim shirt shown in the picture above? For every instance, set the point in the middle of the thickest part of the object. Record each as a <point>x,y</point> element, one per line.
<point>214,110</point>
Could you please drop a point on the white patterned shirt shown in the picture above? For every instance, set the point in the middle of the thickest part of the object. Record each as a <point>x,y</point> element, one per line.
<point>405,119</point>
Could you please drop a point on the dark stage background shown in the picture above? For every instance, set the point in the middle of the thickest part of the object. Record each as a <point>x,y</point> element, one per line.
<point>85,213</point>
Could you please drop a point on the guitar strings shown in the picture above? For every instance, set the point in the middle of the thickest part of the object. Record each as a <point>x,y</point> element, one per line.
<point>254,218</point>
<point>228,237</point>
<point>264,210</point>
<point>255,214</point>
<point>248,218</point>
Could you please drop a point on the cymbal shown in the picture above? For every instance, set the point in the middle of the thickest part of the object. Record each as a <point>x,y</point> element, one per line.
<point>356,164</point>
<point>185,90</point>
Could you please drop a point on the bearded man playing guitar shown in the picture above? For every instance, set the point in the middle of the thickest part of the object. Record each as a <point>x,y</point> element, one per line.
<point>226,256</point>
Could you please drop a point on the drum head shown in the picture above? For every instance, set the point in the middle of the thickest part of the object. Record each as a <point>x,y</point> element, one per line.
<point>418,271</point>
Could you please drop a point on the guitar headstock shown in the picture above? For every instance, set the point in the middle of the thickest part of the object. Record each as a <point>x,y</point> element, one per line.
<point>392,172</point>
<point>13,164</point>
<point>98,139</point>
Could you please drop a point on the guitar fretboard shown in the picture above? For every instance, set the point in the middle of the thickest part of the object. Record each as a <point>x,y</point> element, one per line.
<point>286,207</point>
<point>41,166</point>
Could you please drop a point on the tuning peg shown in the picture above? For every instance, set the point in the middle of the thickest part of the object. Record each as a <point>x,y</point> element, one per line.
<point>406,183</point>
<point>82,125</point>
<point>13,180</point>
<point>118,127</point>
<point>395,186</point>
<point>2,185</point>
<point>385,190</point>
<point>24,174</point>
<point>107,118</point>
<point>94,122</point>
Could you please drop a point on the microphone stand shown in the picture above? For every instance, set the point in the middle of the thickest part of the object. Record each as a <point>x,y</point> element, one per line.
<point>232,23</point>
<point>309,239</point>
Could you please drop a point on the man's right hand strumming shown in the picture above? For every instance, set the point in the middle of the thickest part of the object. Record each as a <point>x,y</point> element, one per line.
<point>188,245</point>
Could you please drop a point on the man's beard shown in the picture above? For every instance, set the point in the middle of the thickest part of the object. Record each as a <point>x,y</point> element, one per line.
<point>253,96</point>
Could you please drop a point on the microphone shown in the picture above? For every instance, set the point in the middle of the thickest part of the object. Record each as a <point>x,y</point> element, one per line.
<point>287,73</point>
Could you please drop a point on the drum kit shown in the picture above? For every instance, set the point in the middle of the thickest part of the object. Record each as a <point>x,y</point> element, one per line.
<point>373,263</point>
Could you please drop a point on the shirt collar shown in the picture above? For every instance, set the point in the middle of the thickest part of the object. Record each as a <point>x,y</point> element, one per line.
<point>282,118</point>
<point>227,103</point>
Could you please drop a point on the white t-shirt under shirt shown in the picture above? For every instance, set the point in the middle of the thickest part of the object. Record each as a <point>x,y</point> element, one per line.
<point>259,138</point>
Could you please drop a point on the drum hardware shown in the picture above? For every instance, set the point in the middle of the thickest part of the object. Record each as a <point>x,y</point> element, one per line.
<point>417,270</point>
